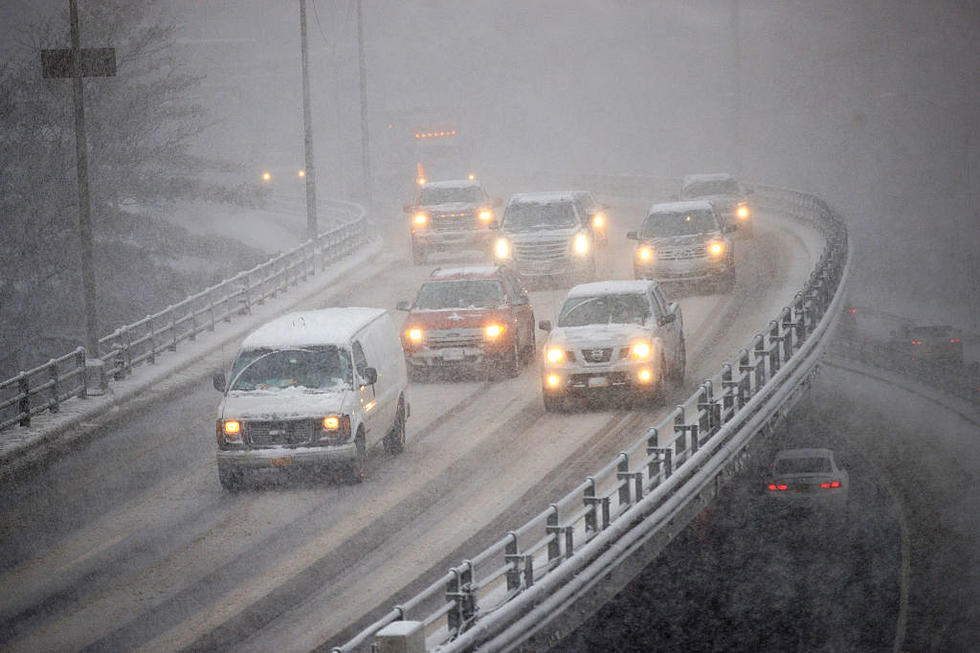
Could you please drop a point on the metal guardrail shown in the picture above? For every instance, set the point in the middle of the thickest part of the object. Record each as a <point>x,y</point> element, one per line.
<point>503,593</point>
<point>47,386</point>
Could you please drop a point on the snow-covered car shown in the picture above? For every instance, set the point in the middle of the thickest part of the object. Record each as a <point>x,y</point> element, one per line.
<point>807,476</point>
<point>314,389</point>
<point>724,191</point>
<point>684,242</point>
<point>546,235</point>
<point>469,317</point>
<point>621,336</point>
<point>451,215</point>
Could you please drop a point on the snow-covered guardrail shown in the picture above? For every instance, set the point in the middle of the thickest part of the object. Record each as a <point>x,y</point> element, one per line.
<point>47,386</point>
<point>513,591</point>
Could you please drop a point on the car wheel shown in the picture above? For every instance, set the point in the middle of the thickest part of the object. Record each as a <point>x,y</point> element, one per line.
<point>680,364</point>
<point>355,470</point>
<point>231,478</point>
<point>418,253</point>
<point>552,403</point>
<point>394,442</point>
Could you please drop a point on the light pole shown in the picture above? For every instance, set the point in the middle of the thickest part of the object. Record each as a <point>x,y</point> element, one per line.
<point>311,226</point>
<point>365,141</point>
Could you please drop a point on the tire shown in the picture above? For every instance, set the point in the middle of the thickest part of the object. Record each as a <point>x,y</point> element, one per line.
<point>419,256</point>
<point>727,283</point>
<point>231,478</point>
<point>509,365</point>
<point>678,371</point>
<point>355,469</point>
<point>552,403</point>
<point>394,442</point>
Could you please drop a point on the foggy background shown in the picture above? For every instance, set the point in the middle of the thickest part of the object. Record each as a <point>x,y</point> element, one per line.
<point>870,105</point>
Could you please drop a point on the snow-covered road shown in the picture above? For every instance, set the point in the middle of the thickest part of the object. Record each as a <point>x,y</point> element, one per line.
<point>131,544</point>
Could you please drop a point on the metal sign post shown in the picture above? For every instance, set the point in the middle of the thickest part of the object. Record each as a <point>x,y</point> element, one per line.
<point>77,63</point>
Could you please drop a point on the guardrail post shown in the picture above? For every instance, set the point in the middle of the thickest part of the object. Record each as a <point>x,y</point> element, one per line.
<point>173,328</point>
<point>152,358</point>
<point>80,364</point>
<point>744,367</point>
<point>514,558</point>
<point>53,375</point>
<point>246,300</point>
<point>774,340</point>
<point>653,448</point>
<point>712,409</point>
<point>552,527</point>
<point>623,474</point>
<point>680,428</point>
<point>589,500</point>
<point>759,354</point>
<point>459,590</point>
<point>728,387</point>
<point>788,332</point>
<point>24,405</point>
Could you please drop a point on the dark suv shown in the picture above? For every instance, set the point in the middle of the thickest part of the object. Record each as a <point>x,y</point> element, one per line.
<point>469,317</point>
<point>450,215</point>
<point>723,190</point>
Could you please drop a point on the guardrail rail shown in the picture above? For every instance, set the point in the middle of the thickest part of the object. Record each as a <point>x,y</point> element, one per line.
<point>47,386</point>
<point>511,591</point>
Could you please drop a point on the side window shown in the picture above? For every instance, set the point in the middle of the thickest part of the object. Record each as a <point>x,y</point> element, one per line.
<point>360,362</point>
<point>659,300</point>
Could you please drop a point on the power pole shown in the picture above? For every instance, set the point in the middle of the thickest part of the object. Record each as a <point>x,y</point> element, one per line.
<point>77,63</point>
<point>311,226</point>
<point>737,140</point>
<point>365,141</point>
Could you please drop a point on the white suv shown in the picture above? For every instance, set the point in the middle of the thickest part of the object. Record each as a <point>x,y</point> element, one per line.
<point>612,336</point>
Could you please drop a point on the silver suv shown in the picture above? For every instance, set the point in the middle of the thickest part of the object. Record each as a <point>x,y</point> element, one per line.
<point>546,235</point>
<point>685,242</point>
<point>621,336</point>
<point>723,190</point>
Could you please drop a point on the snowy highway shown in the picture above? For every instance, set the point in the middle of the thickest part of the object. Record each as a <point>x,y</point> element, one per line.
<point>130,543</point>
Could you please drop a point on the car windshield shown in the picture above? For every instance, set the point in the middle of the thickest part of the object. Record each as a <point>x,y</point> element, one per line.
<point>432,195</point>
<point>528,216</point>
<point>604,309</point>
<point>678,223</point>
<point>320,368</point>
<point>706,188</point>
<point>807,465</point>
<point>464,293</point>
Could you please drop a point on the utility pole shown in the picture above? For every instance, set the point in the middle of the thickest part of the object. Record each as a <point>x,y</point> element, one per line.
<point>311,226</point>
<point>737,141</point>
<point>365,141</point>
<point>77,63</point>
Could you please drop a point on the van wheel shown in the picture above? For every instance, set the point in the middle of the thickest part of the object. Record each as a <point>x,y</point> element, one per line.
<point>231,478</point>
<point>552,403</point>
<point>394,442</point>
<point>355,472</point>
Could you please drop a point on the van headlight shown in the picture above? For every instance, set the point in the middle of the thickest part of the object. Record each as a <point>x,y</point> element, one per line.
<point>334,426</point>
<point>580,244</point>
<point>493,331</point>
<point>231,430</point>
<point>502,248</point>
<point>716,248</point>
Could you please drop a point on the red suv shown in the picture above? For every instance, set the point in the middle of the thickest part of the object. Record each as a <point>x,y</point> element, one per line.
<point>469,317</point>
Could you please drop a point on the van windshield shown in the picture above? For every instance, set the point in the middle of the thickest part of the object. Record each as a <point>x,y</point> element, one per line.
<point>312,368</point>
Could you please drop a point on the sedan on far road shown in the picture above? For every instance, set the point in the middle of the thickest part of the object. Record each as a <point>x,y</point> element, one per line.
<point>807,477</point>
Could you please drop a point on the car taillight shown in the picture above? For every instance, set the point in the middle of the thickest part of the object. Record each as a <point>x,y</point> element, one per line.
<point>774,487</point>
<point>831,484</point>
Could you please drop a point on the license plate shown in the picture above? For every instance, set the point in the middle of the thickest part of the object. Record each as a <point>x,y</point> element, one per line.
<point>452,354</point>
<point>285,461</point>
<point>598,382</point>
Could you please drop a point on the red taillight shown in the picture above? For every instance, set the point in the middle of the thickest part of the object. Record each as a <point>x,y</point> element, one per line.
<point>852,311</point>
<point>773,486</point>
<point>916,342</point>
<point>831,484</point>
<point>954,340</point>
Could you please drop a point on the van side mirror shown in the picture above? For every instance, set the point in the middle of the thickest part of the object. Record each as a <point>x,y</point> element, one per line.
<point>631,235</point>
<point>498,202</point>
<point>218,381</point>
<point>403,306</point>
<point>370,376</point>
<point>544,325</point>
<point>668,318</point>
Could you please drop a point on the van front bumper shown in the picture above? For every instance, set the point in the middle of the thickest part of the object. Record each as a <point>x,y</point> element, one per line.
<point>279,457</point>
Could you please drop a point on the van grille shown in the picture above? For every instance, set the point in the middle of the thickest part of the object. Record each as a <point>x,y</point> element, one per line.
<point>266,434</point>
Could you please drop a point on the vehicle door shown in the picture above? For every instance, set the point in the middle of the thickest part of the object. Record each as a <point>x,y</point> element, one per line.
<point>520,306</point>
<point>369,401</point>
<point>668,330</point>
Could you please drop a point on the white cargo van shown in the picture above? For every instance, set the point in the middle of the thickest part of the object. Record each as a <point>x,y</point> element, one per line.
<point>312,389</point>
